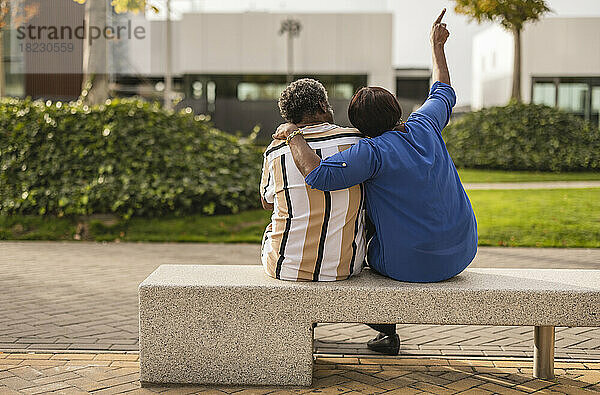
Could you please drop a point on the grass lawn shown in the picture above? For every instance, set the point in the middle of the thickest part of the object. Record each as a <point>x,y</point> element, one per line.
<point>474,175</point>
<point>538,218</point>
<point>532,218</point>
<point>246,227</point>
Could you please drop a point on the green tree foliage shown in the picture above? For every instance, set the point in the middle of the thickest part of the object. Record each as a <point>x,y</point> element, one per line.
<point>512,15</point>
<point>523,137</point>
<point>122,6</point>
<point>127,157</point>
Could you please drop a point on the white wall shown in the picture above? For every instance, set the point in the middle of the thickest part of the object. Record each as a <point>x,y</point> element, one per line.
<point>560,47</point>
<point>492,62</point>
<point>556,47</point>
<point>249,43</point>
<point>412,22</point>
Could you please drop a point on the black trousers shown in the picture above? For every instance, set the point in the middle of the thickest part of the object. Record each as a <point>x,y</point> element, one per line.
<point>388,329</point>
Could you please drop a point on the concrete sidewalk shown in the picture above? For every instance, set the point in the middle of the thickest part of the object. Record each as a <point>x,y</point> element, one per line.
<point>533,185</point>
<point>83,296</point>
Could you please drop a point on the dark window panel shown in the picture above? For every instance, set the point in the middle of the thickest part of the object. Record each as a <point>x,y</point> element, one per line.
<point>412,88</point>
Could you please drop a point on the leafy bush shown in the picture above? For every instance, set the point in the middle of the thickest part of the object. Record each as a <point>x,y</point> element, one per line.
<point>127,157</point>
<point>523,137</point>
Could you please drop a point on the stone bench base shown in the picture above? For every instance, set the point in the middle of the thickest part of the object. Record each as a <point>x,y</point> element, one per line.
<point>234,325</point>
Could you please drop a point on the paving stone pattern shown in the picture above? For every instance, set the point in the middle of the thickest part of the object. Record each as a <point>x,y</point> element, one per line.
<point>83,373</point>
<point>83,296</point>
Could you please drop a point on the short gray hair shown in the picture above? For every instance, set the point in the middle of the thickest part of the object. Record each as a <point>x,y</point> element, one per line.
<point>301,98</point>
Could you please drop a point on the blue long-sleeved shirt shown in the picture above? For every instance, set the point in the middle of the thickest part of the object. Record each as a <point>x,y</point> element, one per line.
<point>426,230</point>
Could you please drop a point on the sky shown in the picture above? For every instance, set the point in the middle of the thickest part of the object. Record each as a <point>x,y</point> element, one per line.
<point>412,22</point>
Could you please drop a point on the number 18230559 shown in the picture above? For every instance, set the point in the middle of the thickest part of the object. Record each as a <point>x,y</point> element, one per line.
<point>46,47</point>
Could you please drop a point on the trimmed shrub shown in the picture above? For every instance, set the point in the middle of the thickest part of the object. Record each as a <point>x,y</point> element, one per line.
<point>523,137</point>
<point>127,157</point>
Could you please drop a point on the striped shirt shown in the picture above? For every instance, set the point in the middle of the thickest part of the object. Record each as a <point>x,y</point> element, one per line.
<point>313,235</point>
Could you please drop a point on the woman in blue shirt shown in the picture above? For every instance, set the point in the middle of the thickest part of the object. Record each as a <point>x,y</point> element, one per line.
<point>425,228</point>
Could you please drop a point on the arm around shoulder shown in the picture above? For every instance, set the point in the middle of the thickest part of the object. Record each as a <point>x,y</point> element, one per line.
<point>345,169</point>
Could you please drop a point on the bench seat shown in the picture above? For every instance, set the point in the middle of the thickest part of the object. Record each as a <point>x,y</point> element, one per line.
<point>211,324</point>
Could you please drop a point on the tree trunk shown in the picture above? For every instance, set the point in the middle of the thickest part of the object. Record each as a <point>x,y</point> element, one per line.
<point>168,94</point>
<point>2,76</point>
<point>516,83</point>
<point>95,62</point>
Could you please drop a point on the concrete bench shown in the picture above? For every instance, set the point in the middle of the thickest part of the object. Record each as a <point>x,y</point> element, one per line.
<point>234,325</point>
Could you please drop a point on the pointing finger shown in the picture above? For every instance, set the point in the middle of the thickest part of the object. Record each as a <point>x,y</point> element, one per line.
<point>439,18</point>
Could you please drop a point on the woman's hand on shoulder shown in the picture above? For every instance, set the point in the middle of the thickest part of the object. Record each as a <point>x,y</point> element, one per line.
<point>284,130</point>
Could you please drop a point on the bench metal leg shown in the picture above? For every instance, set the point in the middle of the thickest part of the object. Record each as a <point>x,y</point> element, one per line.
<point>543,352</point>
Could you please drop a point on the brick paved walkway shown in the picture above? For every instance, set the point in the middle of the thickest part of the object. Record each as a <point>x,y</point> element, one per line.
<point>83,296</point>
<point>119,373</point>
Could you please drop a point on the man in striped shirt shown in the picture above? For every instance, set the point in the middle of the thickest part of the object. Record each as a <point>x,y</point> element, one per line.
<point>313,235</point>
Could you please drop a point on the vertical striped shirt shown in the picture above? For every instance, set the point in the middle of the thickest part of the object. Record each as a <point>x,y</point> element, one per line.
<point>313,235</point>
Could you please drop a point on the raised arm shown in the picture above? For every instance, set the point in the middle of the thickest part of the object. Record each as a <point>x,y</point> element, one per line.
<point>439,35</point>
<point>438,107</point>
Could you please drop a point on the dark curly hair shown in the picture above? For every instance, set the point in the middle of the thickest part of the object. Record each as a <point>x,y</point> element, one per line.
<point>302,98</point>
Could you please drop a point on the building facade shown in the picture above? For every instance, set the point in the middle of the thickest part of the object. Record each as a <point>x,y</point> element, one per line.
<point>560,65</point>
<point>232,66</point>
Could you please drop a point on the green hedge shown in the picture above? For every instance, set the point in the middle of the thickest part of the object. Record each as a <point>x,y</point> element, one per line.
<point>127,157</point>
<point>523,137</point>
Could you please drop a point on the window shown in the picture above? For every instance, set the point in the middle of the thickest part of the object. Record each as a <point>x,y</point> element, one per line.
<point>15,84</point>
<point>342,91</point>
<point>573,97</point>
<point>197,89</point>
<point>259,91</point>
<point>264,87</point>
<point>578,95</point>
<point>412,88</point>
<point>249,91</point>
<point>596,105</point>
<point>211,95</point>
<point>544,93</point>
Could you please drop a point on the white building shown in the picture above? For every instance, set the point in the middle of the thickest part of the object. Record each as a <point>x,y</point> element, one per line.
<point>560,65</point>
<point>236,63</point>
<point>250,43</point>
<point>232,66</point>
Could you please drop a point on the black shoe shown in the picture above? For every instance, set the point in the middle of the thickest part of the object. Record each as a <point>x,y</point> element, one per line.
<point>384,344</point>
